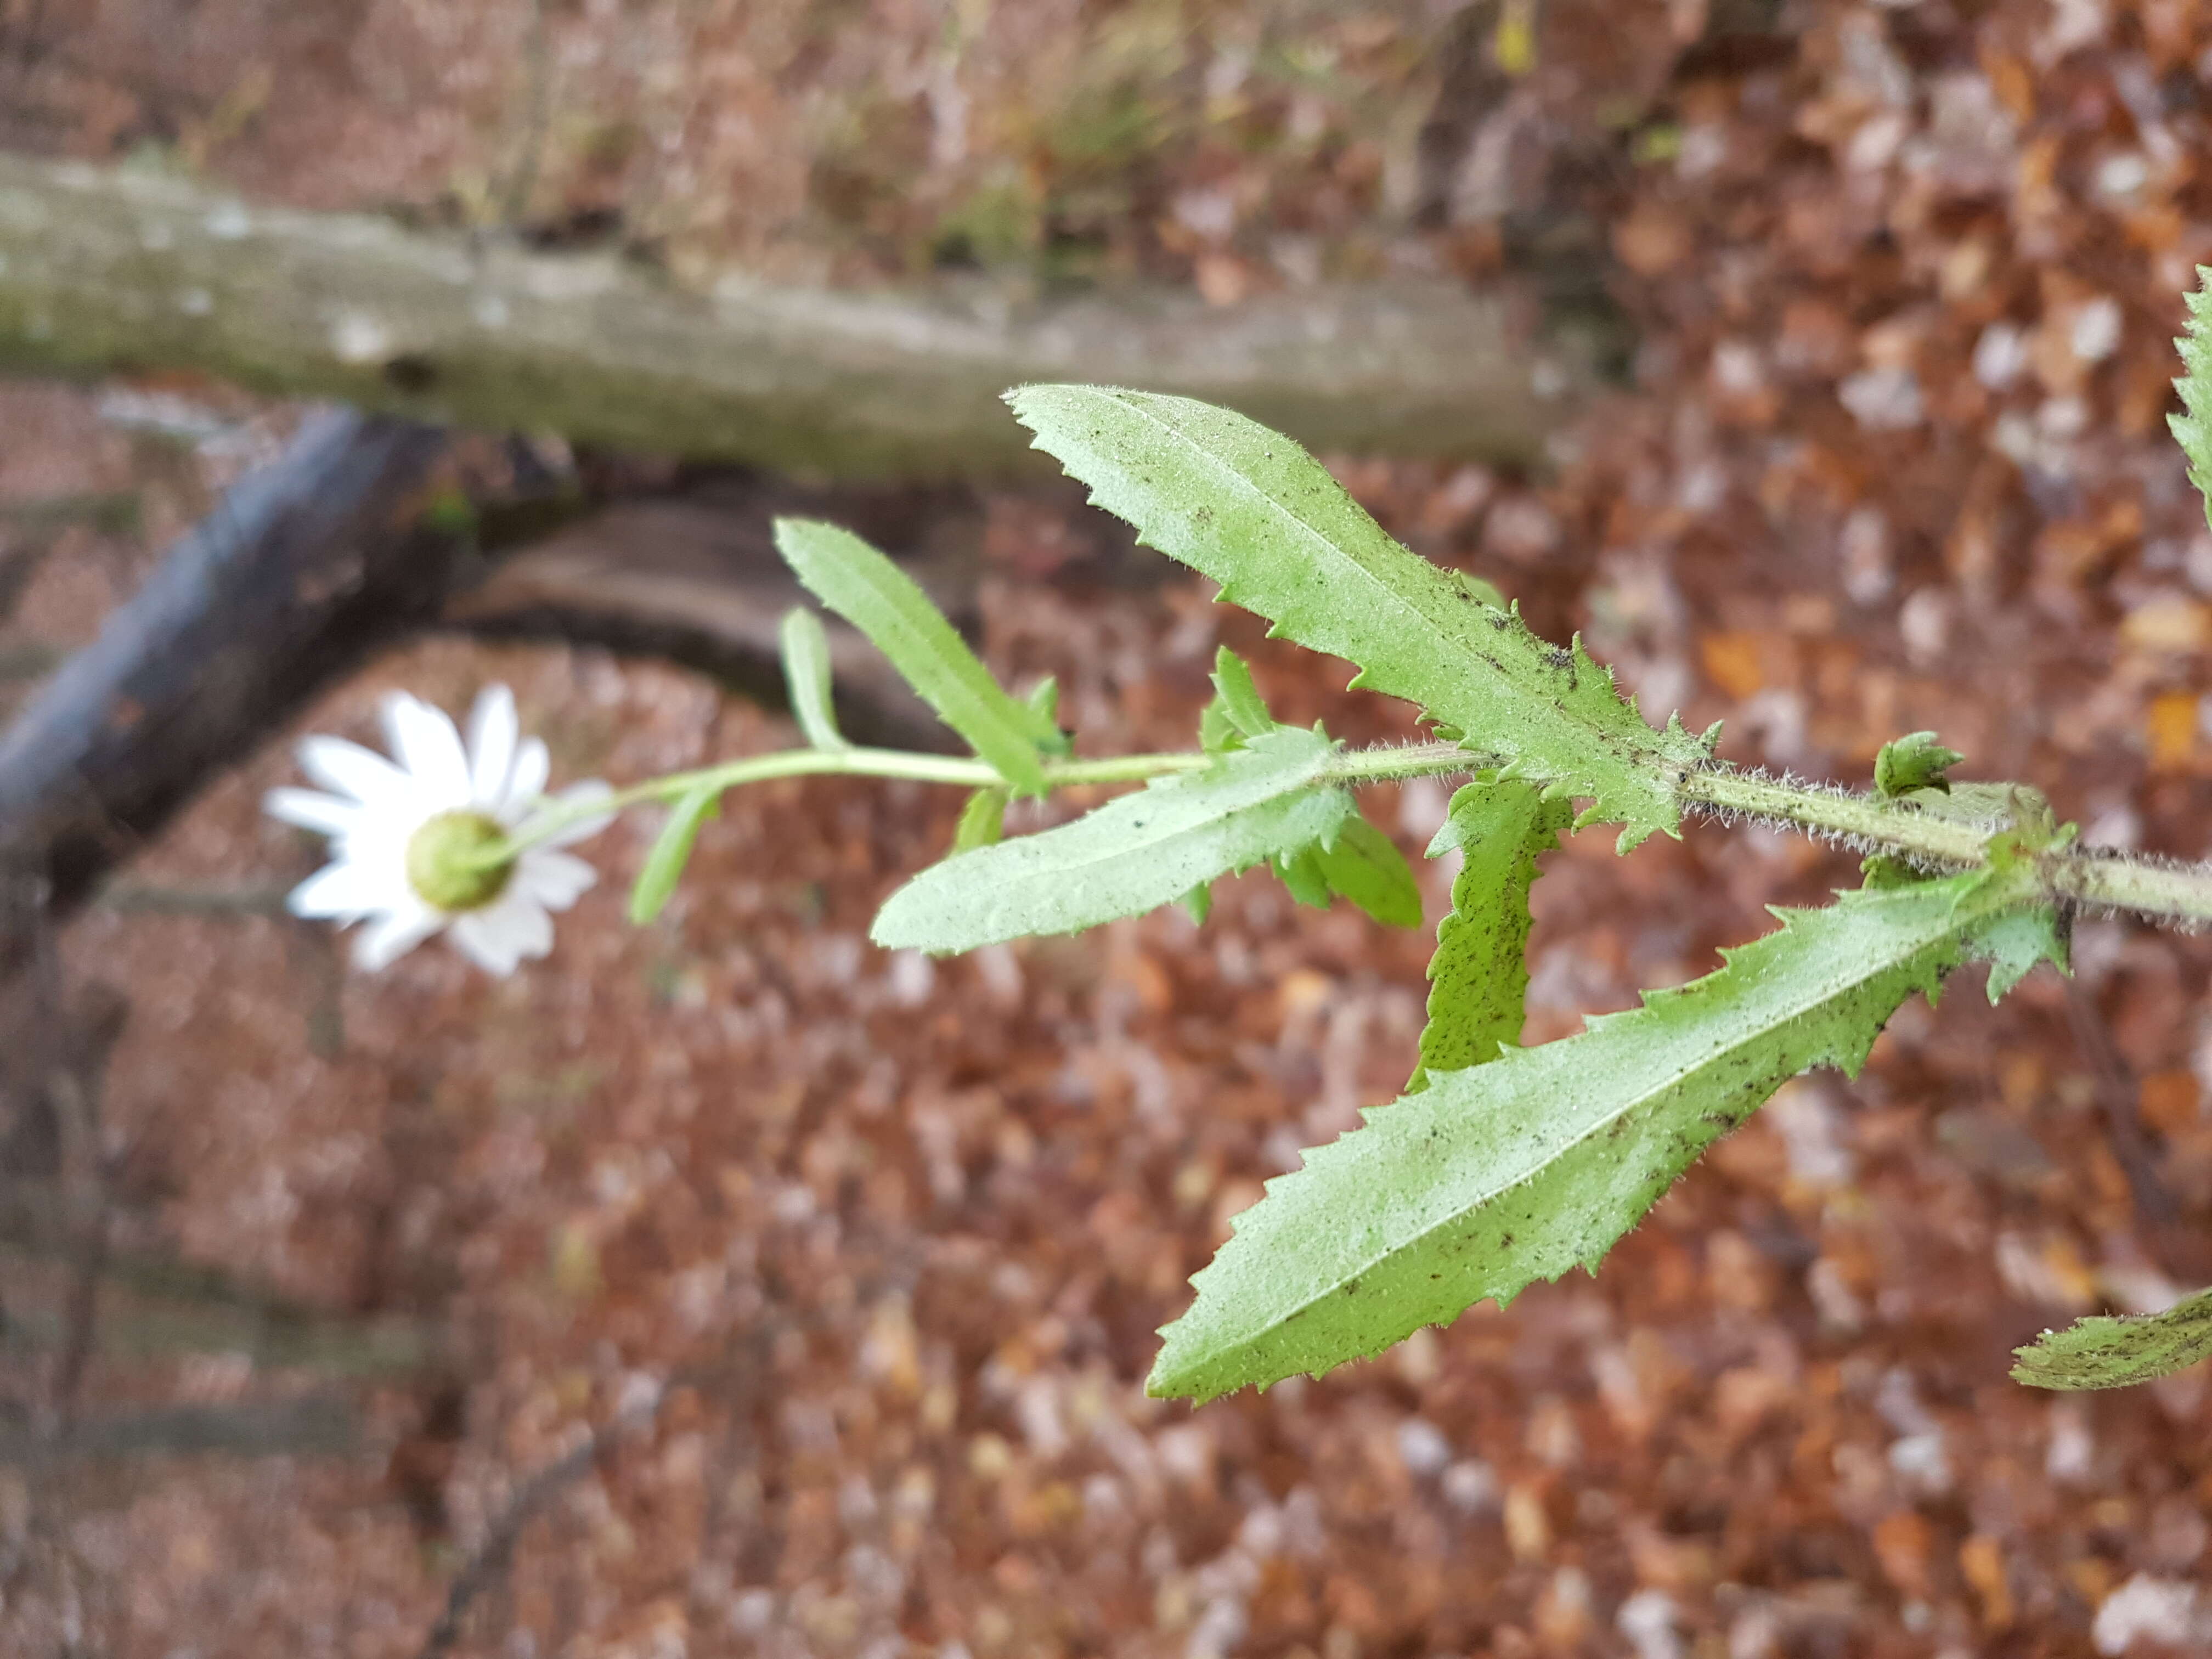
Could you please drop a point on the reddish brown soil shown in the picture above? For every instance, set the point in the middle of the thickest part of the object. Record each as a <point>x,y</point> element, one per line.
<point>891,1238</point>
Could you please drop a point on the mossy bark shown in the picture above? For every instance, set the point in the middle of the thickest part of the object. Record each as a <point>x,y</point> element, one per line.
<point>105,272</point>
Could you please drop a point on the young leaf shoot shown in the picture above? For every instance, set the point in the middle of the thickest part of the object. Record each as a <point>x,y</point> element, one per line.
<point>889,606</point>
<point>807,679</point>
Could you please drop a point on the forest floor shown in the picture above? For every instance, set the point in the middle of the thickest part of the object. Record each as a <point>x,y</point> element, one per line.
<point>843,1269</point>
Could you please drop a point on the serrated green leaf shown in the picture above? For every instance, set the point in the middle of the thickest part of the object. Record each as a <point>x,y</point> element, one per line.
<point>1238,713</point>
<point>886,604</point>
<point>1364,866</point>
<point>2193,428</point>
<point>1915,761</point>
<point>1254,512</point>
<point>2114,1350</point>
<point>1487,592</point>
<point>1135,853</point>
<point>982,820</point>
<point>1247,710</point>
<point>671,852</point>
<point>1300,872</point>
<point>807,679</point>
<point>2015,941</point>
<point>1479,976</point>
<point>1515,1171</point>
<point>1217,732</point>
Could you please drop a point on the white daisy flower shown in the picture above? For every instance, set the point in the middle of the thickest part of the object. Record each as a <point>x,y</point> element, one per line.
<point>402,836</point>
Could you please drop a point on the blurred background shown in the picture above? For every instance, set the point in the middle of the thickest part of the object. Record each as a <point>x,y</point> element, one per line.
<point>729,1286</point>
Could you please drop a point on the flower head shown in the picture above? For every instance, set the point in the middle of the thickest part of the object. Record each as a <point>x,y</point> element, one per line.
<point>417,841</point>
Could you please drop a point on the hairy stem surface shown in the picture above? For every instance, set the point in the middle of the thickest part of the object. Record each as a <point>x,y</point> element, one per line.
<point>2088,876</point>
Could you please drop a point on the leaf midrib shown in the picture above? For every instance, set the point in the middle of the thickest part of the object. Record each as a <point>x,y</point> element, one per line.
<point>1243,486</point>
<point>1415,1240</point>
<point>1280,789</point>
<point>974,700</point>
<point>1418,615</point>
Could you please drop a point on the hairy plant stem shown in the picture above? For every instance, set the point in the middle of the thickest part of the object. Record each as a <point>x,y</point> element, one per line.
<point>832,762</point>
<point>1894,827</point>
<point>2091,876</point>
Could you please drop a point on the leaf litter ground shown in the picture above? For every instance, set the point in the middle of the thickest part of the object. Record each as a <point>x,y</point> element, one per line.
<point>1894,462</point>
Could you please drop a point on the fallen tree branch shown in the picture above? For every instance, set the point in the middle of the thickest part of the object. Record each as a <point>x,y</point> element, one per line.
<point>357,538</point>
<point>305,568</point>
<point>492,1559</point>
<point>104,270</point>
<point>693,577</point>
<point>315,1425</point>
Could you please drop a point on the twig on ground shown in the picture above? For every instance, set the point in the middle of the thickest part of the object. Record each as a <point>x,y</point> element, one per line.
<point>496,1554</point>
<point>315,1425</point>
<point>2156,1208</point>
<point>151,899</point>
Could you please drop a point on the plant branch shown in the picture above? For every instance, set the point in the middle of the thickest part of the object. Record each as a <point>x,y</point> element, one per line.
<point>1859,818</point>
<point>2101,879</point>
<point>2093,877</point>
<point>828,763</point>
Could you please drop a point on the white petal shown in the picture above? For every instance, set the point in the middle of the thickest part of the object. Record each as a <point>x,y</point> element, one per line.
<point>501,935</point>
<point>425,742</point>
<point>493,729</point>
<point>484,947</point>
<point>532,766</point>
<point>350,769</point>
<point>555,880</point>
<point>345,890</point>
<point>531,929</point>
<point>582,794</point>
<point>392,937</point>
<point>327,814</point>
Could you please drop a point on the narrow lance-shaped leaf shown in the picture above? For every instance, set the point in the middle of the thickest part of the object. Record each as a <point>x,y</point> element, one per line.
<point>1241,701</point>
<point>1537,1162</point>
<point>2111,1351</point>
<point>1364,866</point>
<point>1217,735</point>
<point>1252,510</point>
<point>886,604</point>
<point>1299,871</point>
<point>1479,976</point>
<point>1238,713</point>
<point>982,820</point>
<point>807,679</point>
<point>1044,702</point>
<point>1142,850</point>
<point>671,850</point>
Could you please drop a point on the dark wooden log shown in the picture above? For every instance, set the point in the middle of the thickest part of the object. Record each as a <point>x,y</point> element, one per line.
<point>305,567</point>
<point>350,543</point>
<point>692,576</point>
